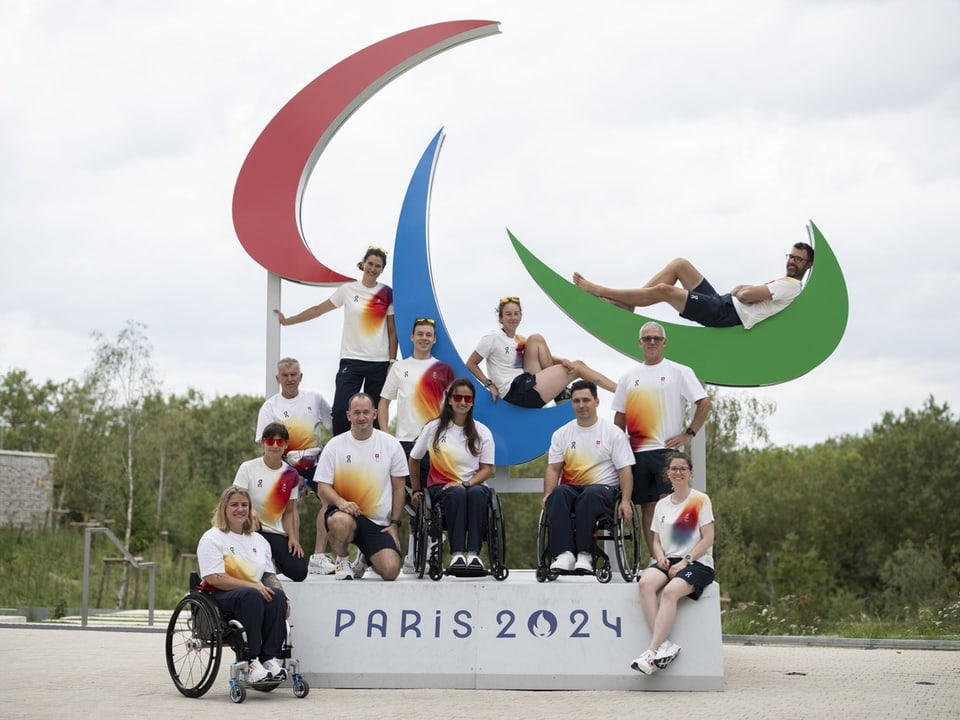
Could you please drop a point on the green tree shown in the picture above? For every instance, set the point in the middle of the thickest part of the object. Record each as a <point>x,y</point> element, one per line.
<point>27,412</point>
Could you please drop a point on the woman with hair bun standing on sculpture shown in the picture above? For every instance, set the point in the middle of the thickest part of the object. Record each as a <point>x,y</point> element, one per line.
<point>369,341</point>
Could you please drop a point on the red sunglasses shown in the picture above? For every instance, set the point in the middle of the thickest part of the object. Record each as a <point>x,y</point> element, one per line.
<point>462,398</point>
<point>279,442</point>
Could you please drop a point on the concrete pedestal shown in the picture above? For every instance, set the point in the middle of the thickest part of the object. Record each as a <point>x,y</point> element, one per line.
<point>571,634</point>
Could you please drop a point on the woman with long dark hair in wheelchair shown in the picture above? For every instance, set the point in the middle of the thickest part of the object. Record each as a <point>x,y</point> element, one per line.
<point>237,568</point>
<point>461,459</point>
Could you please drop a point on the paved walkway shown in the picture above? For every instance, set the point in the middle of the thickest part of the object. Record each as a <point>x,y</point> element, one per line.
<point>103,674</point>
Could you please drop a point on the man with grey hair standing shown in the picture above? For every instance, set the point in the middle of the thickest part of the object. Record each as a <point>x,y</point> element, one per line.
<point>303,413</point>
<point>649,404</point>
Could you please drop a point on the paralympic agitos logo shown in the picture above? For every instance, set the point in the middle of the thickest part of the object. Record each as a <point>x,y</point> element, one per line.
<point>266,215</point>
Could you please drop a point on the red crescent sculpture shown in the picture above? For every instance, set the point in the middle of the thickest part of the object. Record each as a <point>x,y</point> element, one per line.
<point>269,189</point>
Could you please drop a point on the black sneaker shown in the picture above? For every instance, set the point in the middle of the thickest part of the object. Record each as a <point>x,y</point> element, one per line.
<point>564,397</point>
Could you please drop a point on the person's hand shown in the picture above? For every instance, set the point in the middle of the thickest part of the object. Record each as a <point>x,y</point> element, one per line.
<point>294,547</point>
<point>350,508</point>
<point>415,498</point>
<point>266,592</point>
<point>664,564</point>
<point>677,441</point>
<point>626,510</point>
<point>281,316</point>
<point>255,519</point>
<point>494,393</point>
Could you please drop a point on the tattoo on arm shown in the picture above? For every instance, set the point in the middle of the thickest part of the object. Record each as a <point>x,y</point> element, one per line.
<point>271,580</point>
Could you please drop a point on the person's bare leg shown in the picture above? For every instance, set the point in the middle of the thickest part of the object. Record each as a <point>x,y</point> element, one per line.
<point>650,584</point>
<point>386,563</point>
<point>588,373</point>
<point>667,614</point>
<point>662,287</point>
<point>536,355</point>
<point>646,512</point>
<point>341,531</point>
<point>320,545</point>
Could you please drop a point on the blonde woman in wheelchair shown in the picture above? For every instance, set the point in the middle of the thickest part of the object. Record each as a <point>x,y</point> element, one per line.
<point>238,572</point>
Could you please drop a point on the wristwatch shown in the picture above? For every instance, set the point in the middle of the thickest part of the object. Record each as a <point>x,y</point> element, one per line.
<point>691,432</point>
<point>398,523</point>
<point>466,484</point>
<point>688,558</point>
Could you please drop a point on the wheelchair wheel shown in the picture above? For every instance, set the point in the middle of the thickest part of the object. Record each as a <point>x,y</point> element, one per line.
<point>421,533</point>
<point>496,539</point>
<point>300,687</point>
<point>627,540</point>
<point>194,646</point>
<point>604,574</point>
<point>238,693</point>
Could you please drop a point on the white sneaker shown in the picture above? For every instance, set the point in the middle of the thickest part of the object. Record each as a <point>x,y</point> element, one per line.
<point>321,564</point>
<point>474,562</point>
<point>275,668</point>
<point>584,562</point>
<point>256,672</point>
<point>565,561</point>
<point>408,567</point>
<point>644,663</point>
<point>666,654</point>
<point>343,570</point>
<point>359,567</point>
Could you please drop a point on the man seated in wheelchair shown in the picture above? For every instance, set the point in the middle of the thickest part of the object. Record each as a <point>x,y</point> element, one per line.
<point>461,453</point>
<point>237,571</point>
<point>589,459</point>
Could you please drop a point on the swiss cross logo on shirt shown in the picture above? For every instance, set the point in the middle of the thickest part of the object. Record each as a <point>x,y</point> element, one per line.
<point>376,457</point>
<point>597,443</point>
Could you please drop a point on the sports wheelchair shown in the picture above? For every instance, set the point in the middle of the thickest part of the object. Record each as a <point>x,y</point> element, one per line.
<point>428,530</point>
<point>196,635</point>
<point>626,540</point>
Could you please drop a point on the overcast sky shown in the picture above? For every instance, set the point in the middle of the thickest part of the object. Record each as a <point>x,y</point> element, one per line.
<point>609,137</point>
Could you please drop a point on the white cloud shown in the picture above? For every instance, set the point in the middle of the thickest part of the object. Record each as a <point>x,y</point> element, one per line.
<point>609,138</point>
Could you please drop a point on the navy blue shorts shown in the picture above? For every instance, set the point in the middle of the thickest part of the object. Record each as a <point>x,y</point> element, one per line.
<point>697,575</point>
<point>710,309</point>
<point>649,483</point>
<point>369,537</point>
<point>523,392</point>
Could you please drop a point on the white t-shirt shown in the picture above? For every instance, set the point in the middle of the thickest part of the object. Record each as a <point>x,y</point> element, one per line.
<point>504,356</point>
<point>303,417</point>
<point>651,397</point>
<point>365,313</point>
<point>270,491</point>
<point>679,525</point>
<point>590,455</point>
<point>246,557</point>
<point>418,386</point>
<point>452,461</point>
<point>361,471</point>
<point>782,291</point>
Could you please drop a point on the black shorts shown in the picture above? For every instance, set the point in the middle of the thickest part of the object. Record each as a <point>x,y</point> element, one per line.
<point>697,575</point>
<point>710,309</point>
<point>649,483</point>
<point>523,392</point>
<point>369,537</point>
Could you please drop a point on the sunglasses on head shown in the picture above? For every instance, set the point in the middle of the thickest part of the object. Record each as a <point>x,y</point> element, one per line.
<point>425,321</point>
<point>377,249</point>
<point>462,398</point>
<point>505,300</point>
<point>279,442</point>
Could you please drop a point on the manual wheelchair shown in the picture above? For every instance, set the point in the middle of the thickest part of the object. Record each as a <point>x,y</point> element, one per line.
<point>428,530</point>
<point>196,635</point>
<point>626,539</point>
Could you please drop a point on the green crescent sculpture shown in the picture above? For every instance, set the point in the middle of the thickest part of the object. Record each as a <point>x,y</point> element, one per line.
<point>779,349</point>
